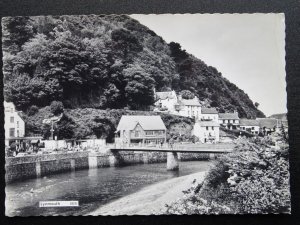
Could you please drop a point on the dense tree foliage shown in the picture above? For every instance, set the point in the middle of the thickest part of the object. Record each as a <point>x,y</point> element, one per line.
<point>254,178</point>
<point>104,62</point>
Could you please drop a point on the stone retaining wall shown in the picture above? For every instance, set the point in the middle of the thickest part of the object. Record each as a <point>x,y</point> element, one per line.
<point>21,168</point>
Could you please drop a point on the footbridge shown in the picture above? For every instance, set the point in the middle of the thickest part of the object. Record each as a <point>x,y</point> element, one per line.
<point>173,150</point>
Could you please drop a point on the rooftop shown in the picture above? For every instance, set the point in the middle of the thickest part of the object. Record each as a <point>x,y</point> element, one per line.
<point>190,102</point>
<point>269,123</point>
<point>208,124</point>
<point>165,94</point>
<point>209,111</point>
<point>230,116</point>
<point>248,122</point>
<point>146,122</point>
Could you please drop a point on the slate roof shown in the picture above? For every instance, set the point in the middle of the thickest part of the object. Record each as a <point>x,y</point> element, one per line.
<point>146,122</point>
<point>208,124</point>
<point>209,111</point>
<point>190,102</point>
<point>164,95</point>
<point>228,116</point>
<point>248,122</point>
<point>269,123</point>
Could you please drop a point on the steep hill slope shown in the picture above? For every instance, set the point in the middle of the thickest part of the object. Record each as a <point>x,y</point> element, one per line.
<point>104,62</point>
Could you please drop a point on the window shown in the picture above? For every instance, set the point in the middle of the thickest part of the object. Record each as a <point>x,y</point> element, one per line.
<point>212,128</point>
<point>252,128</point>
<point>17,124</point>
<point>149,132</point>
<point>223,121</point>
<point>18,133</point>
<point>136,133</point>
<point>12,119</point>
<point>12,132</point>
<point>206,128</point>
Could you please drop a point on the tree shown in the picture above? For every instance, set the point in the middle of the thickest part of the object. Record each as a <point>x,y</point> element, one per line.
<point>32,110</point>
<point>139,88</point>
<point>56,107</point>
<point>256,104</point>
<point>186,94</point>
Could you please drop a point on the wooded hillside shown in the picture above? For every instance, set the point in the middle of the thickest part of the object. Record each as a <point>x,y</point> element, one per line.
<point>104,62</point>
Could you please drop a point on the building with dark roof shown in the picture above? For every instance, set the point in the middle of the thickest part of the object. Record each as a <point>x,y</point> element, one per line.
<point>209,114</point>
<point>251,126</point>
<point>229,120</point>
<point>141,130</point>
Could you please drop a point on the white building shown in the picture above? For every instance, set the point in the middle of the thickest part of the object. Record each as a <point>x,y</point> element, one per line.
<point>251,126</point>
<point>207,131</point>
<point>14,125</point>
<point>229,120</point>
<point>188,107</point>
<point>165,101</point>
<point>209,114</point>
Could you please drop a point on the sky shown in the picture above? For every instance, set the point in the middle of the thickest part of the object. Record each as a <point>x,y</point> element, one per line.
<point>248,49</point>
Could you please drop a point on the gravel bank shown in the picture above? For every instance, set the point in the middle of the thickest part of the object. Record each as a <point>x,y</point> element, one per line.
<point>151,199</point>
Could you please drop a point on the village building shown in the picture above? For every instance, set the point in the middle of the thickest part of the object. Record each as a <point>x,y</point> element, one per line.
<point>251,126</point>
<point>209,114</point>
<point>207,131</point>
<point>268,125</point>
<point>229,120</point>
<point>140,130</point>
<point>14,125</point>
<point>188,107</point>
<point>165,101</point>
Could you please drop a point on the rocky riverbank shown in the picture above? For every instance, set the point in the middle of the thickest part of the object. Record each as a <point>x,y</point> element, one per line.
<point>151,199</point>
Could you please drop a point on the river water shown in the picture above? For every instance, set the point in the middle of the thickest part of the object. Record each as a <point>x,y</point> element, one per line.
<point>92,188</point>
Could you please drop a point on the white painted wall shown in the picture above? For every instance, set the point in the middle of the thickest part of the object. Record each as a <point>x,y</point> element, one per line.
<point>254,129</point>
<point>13,120</point>
<point>202,133</point>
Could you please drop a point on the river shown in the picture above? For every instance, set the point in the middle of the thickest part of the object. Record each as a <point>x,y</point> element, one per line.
<point>92,188</point>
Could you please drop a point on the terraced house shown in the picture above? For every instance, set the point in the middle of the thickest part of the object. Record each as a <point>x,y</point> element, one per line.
<point>138,130</point>
<point>251,126</point>
<point>230,121</point>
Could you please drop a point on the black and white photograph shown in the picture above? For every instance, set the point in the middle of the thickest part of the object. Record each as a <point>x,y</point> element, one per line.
<point>145,114</point>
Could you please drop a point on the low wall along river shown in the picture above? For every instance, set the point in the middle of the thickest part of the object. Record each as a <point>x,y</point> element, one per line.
<point>21,168</point>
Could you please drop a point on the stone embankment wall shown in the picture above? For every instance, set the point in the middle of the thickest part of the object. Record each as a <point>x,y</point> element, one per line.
<point>21,168</point>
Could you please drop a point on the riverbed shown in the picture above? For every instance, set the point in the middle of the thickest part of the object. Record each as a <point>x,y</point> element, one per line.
<point>97,188</point>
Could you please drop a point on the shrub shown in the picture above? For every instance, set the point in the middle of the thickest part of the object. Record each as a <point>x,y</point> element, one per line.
<point>56,107</point>
<point>32,110</point>
<point>254,178</point>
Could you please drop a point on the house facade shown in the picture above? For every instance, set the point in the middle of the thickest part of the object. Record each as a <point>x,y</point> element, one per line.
<point>229,120</point>
<point>14,125</point>
<point>251,126</point>
<point>209,114</point>
<point>141,130</point>
<point>188,107</point>
<point>207,131</point>
<point>165,101</point>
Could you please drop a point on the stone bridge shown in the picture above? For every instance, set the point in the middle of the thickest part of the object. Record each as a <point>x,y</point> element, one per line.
<point>172,151</point>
